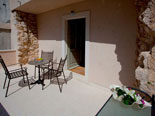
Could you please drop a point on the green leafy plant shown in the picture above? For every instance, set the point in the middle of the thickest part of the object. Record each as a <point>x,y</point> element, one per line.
<point>128,100</point>
<point>149,82</point>
<point>128,96</point>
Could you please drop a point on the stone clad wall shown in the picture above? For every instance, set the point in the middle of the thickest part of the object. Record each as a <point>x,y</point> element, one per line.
<point>145,72</point>
<point>27,36</point>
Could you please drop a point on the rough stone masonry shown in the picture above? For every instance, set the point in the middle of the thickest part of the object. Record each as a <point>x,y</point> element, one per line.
<point>145,71</point>
<point>27,36</point>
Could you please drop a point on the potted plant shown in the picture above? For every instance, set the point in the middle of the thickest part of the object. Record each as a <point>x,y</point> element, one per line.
<point>128,96</point>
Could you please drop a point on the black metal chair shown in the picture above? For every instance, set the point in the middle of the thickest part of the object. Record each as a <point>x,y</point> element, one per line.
<point>153,106</point>
<point>47,56</point>
<point>143,94</point>
<point>12,74</point>
<point>59,71</point>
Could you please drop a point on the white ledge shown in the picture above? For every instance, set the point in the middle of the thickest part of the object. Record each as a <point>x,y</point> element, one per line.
<point>9,50</point>
<point>5,26</point>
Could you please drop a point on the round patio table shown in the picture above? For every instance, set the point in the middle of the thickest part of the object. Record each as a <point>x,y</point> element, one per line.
<point>38,64</point>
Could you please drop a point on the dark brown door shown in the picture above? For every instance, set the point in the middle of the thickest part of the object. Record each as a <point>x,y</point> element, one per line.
<point>76,43</point>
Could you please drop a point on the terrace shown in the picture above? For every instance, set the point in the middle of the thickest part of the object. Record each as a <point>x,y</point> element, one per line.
<point>78,97</point>
<point>109,42</point>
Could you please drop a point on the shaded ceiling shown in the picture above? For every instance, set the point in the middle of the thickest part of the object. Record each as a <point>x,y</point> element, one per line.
<point>40,6</point>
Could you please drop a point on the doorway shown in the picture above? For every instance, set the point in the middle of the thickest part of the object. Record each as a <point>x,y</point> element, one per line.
<point>76,45</point>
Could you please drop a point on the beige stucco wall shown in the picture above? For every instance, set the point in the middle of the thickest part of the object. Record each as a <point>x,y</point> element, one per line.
<point>112,38</point>
<point>9,56</point>
<point>16,3</point>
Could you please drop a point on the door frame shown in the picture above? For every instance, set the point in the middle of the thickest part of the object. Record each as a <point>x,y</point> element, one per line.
<point>86,15</point>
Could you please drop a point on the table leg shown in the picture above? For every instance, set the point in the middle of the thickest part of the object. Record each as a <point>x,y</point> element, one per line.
<point>39,72</point>
<point>39,81</point>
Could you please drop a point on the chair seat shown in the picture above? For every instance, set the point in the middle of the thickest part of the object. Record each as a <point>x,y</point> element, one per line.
<point>51,73</point>
<point>45,66</point>
<point>18,74</point>
<point>18,69</point>
<point>56,73</point>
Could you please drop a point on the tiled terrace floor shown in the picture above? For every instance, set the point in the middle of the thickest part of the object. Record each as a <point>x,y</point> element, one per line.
<point>78,98</point>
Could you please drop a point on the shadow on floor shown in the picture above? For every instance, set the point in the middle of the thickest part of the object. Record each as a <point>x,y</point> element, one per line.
<point>61,80</point>
<point>22,84</point>
<point>53,80</point>
<point>3,111</point>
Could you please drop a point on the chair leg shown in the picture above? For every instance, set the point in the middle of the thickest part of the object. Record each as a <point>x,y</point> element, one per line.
<point>28,81</point>
<point>35,72</point>
<point>48,74</point>
<point>43,72</point>
<point>43,87</point>
<point>64,77</point>
<point>51,75</point>
<point>7,89</point>
<point>59,84</point>
<point>23,79</point>
<point>5,82</point>
<point>43,82</point>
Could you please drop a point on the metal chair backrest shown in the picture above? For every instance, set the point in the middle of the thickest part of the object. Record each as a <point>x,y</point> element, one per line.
<point>4,66</point>
<point>47,55</point>
<point>61,64</point>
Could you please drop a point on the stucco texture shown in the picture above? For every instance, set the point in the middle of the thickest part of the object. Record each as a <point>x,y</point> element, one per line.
<point>112,38</point>
<point>6,56</point>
